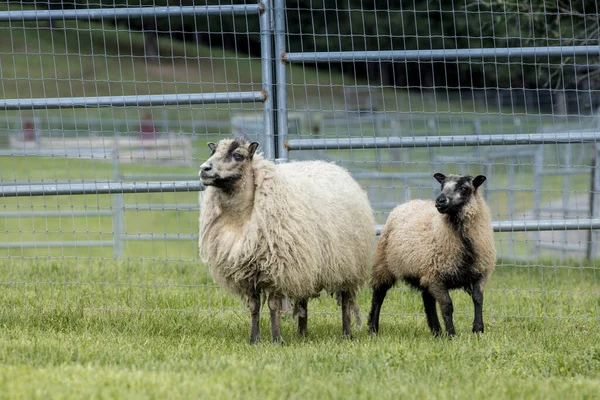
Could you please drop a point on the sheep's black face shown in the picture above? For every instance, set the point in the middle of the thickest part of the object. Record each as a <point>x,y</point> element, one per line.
<point>457,190</point>
<point>227,163</point>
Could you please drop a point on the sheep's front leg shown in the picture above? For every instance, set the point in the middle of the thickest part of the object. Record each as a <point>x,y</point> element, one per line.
<point>275,305</point>
<point>302,307</point>
<point>431,312</point>
<point>440,293</point>
<point>477,296</point>
<point>255,314</point>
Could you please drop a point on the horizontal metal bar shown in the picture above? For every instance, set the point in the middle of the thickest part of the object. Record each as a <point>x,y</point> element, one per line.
<point>546,225</point>
<point>539,225</point>
<point>440,54</point>
<point>161,207</point>
<point>83,243</point>
<point>391,175</point>
<point>122,12</point>
<point>49,214</point>
<point>36,182</point>
<point>161,236</point>
<point>135,100</point>
<point>443,141</point>
<point>560,247</point>
<point>162,177</point>
<point>566,171</point>
<point>100,188</point>
<point>565,209</point>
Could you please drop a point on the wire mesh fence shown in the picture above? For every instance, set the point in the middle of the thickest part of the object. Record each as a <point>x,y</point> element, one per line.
<point>107,112</point>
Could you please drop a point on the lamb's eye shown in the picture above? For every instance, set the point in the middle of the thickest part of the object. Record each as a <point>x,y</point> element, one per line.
<point>464,189</point>
<point>238,157</point>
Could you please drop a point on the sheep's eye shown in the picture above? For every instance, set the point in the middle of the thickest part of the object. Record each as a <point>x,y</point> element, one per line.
<point>238,157</point>
<point>464,189</point>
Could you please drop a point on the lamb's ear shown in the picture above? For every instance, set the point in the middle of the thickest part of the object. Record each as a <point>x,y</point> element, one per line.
<point>439,177</point>
<point>213,147</point>
<point>478,181</point>
<point>252,149</point>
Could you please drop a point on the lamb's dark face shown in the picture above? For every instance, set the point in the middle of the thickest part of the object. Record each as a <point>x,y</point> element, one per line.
<point>457,190</point>
<point>227,163</point>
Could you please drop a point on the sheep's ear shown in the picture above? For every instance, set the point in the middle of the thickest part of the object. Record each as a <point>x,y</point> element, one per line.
<point>213,147</point>
<point>252,149</point>
<point>478,181</point>
<point>439,177</point>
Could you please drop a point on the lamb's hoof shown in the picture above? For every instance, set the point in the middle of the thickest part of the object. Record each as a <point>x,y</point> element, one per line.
<point>373,329</point>
<point>478,330</point>
<point>303,334</point>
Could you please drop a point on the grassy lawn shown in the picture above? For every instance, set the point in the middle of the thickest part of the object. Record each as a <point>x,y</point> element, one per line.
<point>81,329</point>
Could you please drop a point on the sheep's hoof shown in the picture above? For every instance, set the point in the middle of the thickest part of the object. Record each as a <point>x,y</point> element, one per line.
<point>373,329</point>
<point>478,329</point>
<point>277,340</point>
<point>255,339</point>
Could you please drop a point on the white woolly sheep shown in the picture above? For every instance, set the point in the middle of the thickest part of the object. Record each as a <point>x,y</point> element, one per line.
<point>437,247</point>
<point>287,231</point>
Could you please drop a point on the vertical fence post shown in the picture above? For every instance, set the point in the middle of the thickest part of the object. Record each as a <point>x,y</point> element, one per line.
<point>280,79</point>
<point>511,202</point>
<point>268,138</point>
<point>117,203</point>
<point>538,161</point>
<point>594,186</point>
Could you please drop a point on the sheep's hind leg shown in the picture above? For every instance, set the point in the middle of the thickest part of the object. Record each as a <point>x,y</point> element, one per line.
<point>255,314</point>
<point>379,294</point>
<point>431,312</point>
<point>443,297</point>
<point>346,309</point>
<point>275,305</point>
<point>302,307</point>
<point>477,296</point>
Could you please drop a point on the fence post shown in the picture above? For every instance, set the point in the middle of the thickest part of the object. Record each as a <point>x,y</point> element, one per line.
<point>280,80</point>
<point>538,162</point>
<point>117,203</point>
<point>594,186</point>
<point>267,138</point>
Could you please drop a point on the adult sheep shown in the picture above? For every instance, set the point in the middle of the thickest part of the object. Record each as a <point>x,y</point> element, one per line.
<point>286,231</point>
<point>436,247</point>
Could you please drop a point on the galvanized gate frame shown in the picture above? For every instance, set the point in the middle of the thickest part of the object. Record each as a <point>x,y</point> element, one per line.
<point>277,145</point>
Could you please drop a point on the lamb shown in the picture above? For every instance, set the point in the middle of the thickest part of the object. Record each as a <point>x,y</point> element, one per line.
<point>285,231</point>
<point>437,251</point>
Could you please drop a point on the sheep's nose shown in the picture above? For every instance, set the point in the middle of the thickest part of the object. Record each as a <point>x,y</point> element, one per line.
<point>205,167</point>
<point>441,200</point>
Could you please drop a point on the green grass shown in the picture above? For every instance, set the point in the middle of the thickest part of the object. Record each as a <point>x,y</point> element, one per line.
<point>88,329</point>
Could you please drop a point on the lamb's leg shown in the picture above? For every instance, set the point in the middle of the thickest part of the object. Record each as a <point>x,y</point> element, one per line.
<point>443,297</point>
<point>255,313</point>
<point>431,312</point>
<point>302,317</point>
<point>275,307</point>
<point>379,294</point>
<point>346,309</point>
<point>477,296</point>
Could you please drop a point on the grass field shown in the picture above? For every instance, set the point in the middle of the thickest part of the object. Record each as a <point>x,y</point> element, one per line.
<point>88,329</point>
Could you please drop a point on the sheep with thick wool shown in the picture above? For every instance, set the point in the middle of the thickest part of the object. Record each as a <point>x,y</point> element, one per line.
<point>283,230</point>
<point>437,247</point>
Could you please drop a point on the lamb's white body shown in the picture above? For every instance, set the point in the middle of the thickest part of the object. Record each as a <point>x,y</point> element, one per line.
<point>293,230</point>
